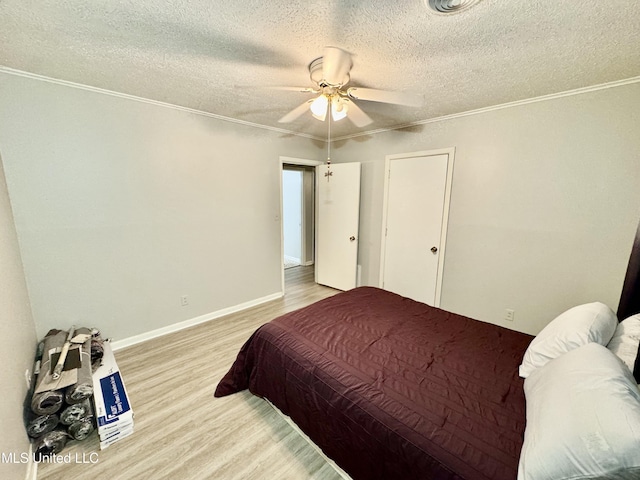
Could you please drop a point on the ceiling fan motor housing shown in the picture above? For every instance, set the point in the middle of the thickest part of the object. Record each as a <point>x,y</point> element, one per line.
<point>316,74</point>
<point>449,7</point>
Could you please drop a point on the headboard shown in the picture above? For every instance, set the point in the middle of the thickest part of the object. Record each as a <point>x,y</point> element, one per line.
<point>630,297</point>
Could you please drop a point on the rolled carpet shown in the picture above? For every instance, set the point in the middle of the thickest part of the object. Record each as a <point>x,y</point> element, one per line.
<point>83,388</point>
<point>46,403</point>
<point>42,424</point>
<point>97,350</point>
<point>50,443</point>
<point>75,412</point>
<point>82,428</point>
<point>83,420</point>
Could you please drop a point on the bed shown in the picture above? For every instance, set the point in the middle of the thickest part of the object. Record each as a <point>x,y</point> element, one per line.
<point>389,387</point>
<point>392,388</point>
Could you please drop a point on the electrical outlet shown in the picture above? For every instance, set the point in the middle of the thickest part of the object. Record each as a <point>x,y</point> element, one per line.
<point>508,315</point>
<point>184,300</point>
<point>27,377</point>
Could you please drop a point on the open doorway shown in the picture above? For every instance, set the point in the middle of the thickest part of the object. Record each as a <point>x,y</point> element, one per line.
<point>298,213</point>
<point>292,216</point>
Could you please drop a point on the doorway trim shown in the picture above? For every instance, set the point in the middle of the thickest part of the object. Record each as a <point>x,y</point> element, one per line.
<point>294,216</point>
<point>450,152</point>
<point>303,162</point>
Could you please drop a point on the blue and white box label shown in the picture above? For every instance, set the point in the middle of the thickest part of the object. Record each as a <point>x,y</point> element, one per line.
<point>114,397</point>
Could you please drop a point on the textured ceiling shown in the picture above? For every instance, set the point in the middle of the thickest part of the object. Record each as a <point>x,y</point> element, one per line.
<point>217,56</point>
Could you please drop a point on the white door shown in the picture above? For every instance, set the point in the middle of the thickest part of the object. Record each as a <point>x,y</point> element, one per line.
<point>415,224</point>
<point>338,214</point>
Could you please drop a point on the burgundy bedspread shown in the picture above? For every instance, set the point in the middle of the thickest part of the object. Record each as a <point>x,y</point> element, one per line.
<point>392,388</point>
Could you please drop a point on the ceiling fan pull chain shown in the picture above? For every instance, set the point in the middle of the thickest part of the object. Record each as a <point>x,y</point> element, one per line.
<point>329,173</point>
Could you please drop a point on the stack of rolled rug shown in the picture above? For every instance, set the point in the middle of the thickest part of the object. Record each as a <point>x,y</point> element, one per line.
<point>61,401</point>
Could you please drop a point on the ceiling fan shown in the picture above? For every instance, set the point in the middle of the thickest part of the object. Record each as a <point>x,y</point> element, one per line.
<point>331,73</point>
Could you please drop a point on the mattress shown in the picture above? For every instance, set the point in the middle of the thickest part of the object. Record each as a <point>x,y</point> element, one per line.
<point>392,388</point>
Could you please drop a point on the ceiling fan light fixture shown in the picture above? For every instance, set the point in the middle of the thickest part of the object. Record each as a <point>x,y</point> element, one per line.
<point>339,109</point>
<point>450,7</point>
<point>319,107</point>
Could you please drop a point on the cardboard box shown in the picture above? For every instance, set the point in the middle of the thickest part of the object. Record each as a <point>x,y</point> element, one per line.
<point>114,415</point>
<point>113,429</point>
<point>112,438</point>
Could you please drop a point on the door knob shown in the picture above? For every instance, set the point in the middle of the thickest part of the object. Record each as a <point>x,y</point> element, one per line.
<point>352,238</point>
<point>434,249</point>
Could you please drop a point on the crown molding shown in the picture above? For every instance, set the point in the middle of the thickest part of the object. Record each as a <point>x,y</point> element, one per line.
<point>172,106</point>
<point>543,98</point>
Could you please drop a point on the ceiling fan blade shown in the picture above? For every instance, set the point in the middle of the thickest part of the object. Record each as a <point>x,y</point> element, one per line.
<point>295,89</point>
<point>336,65</point>
<point>385,96</point>
<point>296,112</point>
<point>356,114</point>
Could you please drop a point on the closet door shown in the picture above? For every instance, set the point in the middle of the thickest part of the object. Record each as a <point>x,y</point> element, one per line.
<point>414,225</point>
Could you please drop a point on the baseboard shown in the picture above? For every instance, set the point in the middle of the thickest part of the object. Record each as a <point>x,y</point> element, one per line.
<point>143,337</point>
<point>32,466</point>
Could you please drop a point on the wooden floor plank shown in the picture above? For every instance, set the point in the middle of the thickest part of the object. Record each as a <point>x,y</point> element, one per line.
<point>181,430</point>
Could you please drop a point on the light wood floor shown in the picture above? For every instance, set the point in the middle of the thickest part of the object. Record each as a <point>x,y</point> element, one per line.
<point>181,430</point>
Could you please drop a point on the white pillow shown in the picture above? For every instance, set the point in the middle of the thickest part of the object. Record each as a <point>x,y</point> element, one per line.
<point>583,419</point>
<point>591,322</point>
<point>626,339</point>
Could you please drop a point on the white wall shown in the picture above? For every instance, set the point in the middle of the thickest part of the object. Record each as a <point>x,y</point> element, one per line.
<point>545,203</point>
<point>292,213</point>
<point>123,206</point>
<point>17,342</point>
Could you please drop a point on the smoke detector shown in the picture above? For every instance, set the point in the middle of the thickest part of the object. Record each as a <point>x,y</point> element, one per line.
<point>450,6</point>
